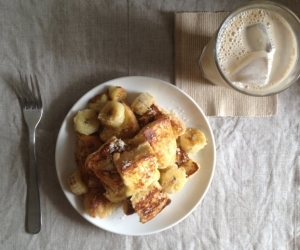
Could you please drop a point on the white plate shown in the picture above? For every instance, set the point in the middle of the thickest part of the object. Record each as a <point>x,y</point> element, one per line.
<point>183,203</point>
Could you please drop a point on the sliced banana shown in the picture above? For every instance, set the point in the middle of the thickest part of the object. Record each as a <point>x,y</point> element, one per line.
<point>192,140</point>
<point>98,102</point>
<point>115,196</point>
<point>172,179</point>
<point>76,184</point>
<point>142,103</point>
<point>117,93</point>
<point>112,114</point>
<point>86,122</point>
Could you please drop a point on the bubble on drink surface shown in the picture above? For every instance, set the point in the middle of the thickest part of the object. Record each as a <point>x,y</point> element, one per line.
<point>256,37</point>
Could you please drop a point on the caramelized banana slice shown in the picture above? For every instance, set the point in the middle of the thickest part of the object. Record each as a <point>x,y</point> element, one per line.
<point>76,184</point>
<point>142,103</point>
<point>112,114</point>
<point>127,129</point>
<point>117,93</point>
<point>86,122</point>
<point>192,140</point>
<point>172,179</point>
<point>98,102</point>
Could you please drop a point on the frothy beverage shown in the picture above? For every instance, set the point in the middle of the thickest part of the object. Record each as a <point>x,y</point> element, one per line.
<point>257,49</point>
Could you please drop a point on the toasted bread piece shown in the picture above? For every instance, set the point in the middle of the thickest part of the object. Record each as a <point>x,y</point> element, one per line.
<point>177,125</point>
<point>181,156</point>
<point>151,115</point>
<point>85,145</point>
<point>102,164</point>
<point>96,204</point>
<point>127,129</point>
<point>183,160</point>
<point>191,167</point>
<point>127,207</point>
<point>148,203</point>
<point>159,134</point>
<point>137,167</point>
<point>137,140</point>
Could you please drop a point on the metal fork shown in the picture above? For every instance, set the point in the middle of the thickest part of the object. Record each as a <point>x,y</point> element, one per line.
<point>32,111</point>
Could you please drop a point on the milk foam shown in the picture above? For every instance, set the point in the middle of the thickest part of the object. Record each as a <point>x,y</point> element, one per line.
<point>231,49</point>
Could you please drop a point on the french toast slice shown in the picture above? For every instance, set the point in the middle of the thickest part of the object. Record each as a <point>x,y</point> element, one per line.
<point>151,115</point>
<point>160,136</point>
<point>137,167</point>
<point>85,145</point>
<point>155,112</point>
<point>178,126</point>
<point>127,129</point>
<point>150,202</point>
<point>101,162</point>
<point>96,204</point>
<point>191,167</point>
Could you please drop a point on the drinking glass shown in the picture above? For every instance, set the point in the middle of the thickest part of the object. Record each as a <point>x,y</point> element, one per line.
<point>261,69</point>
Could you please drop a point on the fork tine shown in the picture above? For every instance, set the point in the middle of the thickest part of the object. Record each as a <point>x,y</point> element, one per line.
<point>30,93</point>
<point>24,94</point>
<point>33,93</point>
<point>39,98</point>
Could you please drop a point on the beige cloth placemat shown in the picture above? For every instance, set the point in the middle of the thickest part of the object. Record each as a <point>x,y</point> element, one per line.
<point>192,33</point>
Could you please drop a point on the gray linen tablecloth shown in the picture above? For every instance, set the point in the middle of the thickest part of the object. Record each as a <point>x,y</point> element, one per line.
<point>74,45</point>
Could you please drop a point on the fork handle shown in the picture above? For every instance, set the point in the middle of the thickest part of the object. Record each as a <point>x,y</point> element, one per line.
<point>33,215</point>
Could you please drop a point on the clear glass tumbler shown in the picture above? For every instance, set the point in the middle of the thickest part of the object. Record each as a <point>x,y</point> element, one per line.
<point>255,50</point>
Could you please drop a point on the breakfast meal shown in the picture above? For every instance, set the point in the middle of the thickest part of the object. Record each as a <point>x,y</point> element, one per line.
<point>131,155</point>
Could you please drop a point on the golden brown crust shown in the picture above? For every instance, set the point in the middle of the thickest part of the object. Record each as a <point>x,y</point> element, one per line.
<point>160,136</point>
<point>102,164</point>
<point>150,202</point>
<point>85,145</point>
<point>183,160</point>
<point>151,115</point>
<point>137,167</point>
<point>96,204</point>
<point>178,126</point>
